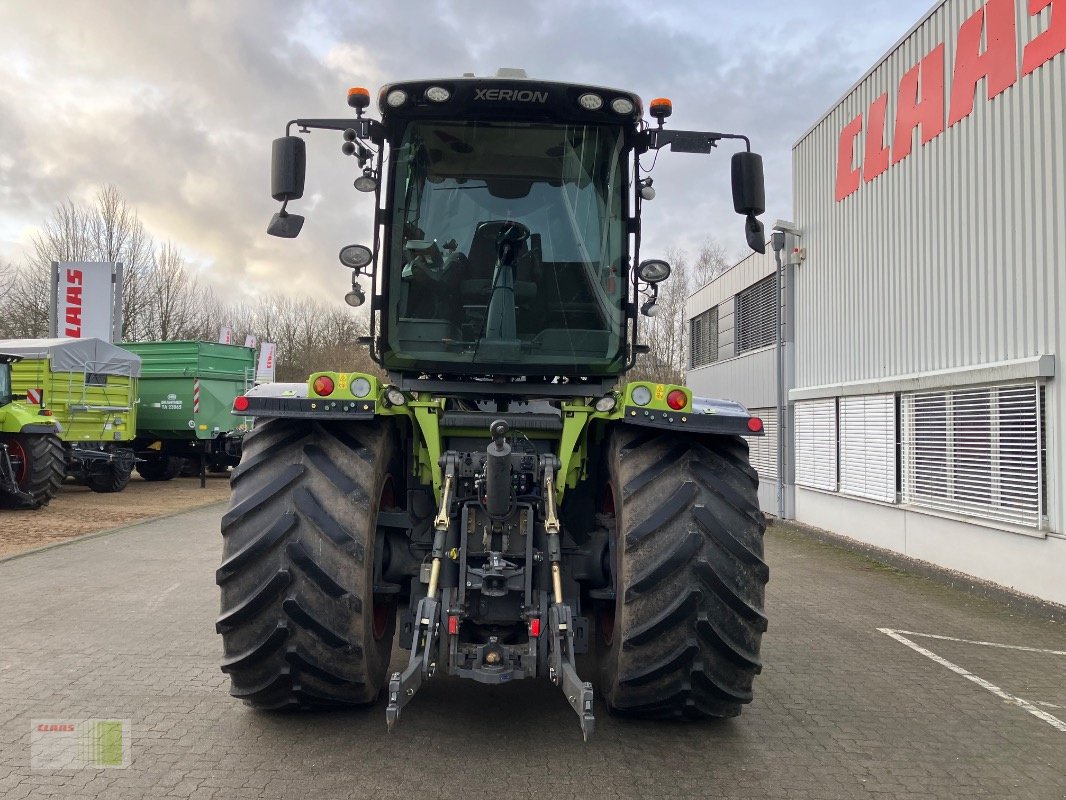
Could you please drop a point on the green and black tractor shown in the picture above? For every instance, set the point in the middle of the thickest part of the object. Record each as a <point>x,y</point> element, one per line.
<point>498,493</point>
<point>32,459</point>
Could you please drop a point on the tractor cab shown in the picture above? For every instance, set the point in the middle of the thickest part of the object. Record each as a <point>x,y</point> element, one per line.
<point>509,223</point>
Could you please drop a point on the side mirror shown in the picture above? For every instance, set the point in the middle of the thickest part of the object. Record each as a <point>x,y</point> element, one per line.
<point>285,225</point>
<point>749,192</point>
<point>288,159</point>
<point>755,234</point>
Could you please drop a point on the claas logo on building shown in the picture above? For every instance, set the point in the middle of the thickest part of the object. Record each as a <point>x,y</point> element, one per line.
<point>921,96</point>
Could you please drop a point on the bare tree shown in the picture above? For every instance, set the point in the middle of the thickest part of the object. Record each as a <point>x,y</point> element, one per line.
<point>172,308</point>
<point>24,305</point>
<point>117,234</point>
<point>711,261</point>
<point>107,230</point>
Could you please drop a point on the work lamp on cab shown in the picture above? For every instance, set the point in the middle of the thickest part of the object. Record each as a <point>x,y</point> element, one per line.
<point>622,105</point>
<point>366,182</point>
<point>396,98</point>
<point>590,101</point>
<point>653,271</point>
<point>438,94</point>
<point>356,256</point>
<point>641,395</point>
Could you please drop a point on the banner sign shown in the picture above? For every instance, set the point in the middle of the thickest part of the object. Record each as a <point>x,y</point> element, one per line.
<point>225,336</point>
<point>264,373</point>
<point>85,300</point>
<point>249,341</point>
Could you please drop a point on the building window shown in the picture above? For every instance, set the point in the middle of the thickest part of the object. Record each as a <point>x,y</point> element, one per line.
<point>816,444</point>
<point>703,338</point>
<point>756,316</point>
<point>975,451</point>
<point>762,450</point>
<point>868,446</point>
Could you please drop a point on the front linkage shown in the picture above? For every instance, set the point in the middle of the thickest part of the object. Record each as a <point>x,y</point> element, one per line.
<point>496,573</point>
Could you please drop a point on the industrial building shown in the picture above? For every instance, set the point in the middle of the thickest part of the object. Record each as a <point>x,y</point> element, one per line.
<point>915,324</point>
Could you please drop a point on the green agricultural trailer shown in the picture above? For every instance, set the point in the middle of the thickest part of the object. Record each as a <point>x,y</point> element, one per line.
<point>90,386</point>
<point>502,484</point>
<point>186,395</point>
<point>31,455</point>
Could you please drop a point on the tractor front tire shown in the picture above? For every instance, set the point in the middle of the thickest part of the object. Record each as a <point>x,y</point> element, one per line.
<point>164,468</point>
<point>39,462</point>
<point>108,477</point>
<point>300,624</point>
<point>682,638</point>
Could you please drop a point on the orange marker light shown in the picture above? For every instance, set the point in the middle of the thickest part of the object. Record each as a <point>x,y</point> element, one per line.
<point>358,97</point>
<point>661,107</point>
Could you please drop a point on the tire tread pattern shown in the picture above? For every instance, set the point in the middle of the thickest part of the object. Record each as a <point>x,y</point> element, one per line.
<point>297,570</point>
<point>690,576</point>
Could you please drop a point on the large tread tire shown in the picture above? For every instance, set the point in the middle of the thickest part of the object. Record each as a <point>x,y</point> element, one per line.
<point>299,622</point>
<point>165,468</point>
<point>108,478</point>
<point>40,465</point>
<point>684,637</point>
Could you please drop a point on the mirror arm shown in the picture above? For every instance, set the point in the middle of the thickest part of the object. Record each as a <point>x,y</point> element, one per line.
<point>365,128</point>
<point>689,141</point>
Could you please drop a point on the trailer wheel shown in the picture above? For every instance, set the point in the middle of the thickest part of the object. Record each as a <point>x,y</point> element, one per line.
<point>108,477</point>
<point>301,626</point>
<point>39,465</point>
<point>165,468</point>
<point>682,638</point>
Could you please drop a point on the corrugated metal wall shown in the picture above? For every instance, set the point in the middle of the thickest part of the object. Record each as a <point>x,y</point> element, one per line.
<point>954,256</point>
<point>748,378</point>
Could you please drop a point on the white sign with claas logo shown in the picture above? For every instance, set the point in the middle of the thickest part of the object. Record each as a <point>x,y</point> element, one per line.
<point>86,298</point>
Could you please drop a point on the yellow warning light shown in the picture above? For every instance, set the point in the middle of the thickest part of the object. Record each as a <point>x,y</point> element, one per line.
<point>661,108</point>
<point>358,97</point>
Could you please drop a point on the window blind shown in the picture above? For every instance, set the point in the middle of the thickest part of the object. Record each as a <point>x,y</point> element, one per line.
<point>868,446</point>
<point>816,443</point>
<point>975,451</point>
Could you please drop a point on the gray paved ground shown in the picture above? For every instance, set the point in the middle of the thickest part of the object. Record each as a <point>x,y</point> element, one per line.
<point>122,626</point>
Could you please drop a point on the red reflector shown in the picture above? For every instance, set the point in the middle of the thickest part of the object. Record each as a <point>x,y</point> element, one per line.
<point>323,386</point>
<point>240,403</point>
<point>677,399</point>
<point>754,424</point>
<point>534,627</point>
<point>45,412</point>
<point>453,625</point>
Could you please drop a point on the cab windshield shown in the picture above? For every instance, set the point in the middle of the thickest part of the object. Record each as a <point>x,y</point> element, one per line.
<point>506,250</point>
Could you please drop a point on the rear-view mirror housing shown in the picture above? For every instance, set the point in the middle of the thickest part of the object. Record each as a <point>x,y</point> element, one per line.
<point>749,192</point>
<point>288,164</point>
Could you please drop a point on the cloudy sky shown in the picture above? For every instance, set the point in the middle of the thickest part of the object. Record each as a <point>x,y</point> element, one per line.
<point>176,104</point>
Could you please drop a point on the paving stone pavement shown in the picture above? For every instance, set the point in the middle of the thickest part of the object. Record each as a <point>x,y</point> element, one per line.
<point>121,626</point>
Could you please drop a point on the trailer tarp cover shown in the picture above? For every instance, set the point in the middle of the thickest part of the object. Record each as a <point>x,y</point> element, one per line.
<point>77,355</point>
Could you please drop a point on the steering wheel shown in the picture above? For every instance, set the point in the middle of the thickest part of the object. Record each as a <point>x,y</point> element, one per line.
<point>512,232</point>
